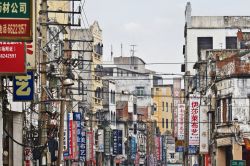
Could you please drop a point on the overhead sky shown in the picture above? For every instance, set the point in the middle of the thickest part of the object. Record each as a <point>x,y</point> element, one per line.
<point>155,26</point>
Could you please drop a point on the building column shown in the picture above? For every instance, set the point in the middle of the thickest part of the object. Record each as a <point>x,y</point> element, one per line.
<point>236,151</point>
<point>220,157</point>
<point>18,136</point>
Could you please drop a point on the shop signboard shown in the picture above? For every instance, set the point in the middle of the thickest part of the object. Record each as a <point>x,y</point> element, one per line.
<point>180,124</point>
<point>133,148</point>
<point>12,54</point>
<point>238,163</point>
<point>194,108</point>
<point>16,20</point>
<point>23,87</point>
<point>203,129</point>
<point>107,142</point>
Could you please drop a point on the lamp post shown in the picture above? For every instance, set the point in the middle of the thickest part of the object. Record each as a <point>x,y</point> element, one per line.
<point>67,82</point>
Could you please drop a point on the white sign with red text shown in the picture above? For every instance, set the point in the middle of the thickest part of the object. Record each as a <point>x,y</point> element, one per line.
<point>180,124</point>
<point>194,107</point>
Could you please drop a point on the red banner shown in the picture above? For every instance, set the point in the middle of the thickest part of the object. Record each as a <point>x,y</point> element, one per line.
<point>12,58</point>
<point>15,28</point>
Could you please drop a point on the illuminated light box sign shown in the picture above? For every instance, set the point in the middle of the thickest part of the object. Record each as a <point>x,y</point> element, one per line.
<point>12,58</point>
<point>16,20</point>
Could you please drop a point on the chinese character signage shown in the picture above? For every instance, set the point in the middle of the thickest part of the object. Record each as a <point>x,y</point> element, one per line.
<point>23,87</point>
<point>90,146</point>
<point>192,149</point>
<point>158,147</point>
<point>180,125</point>
<point>16,20</point>
<point>117,141</point>
<point>133,148</point>
<point>82,147</point>
<point>12,54</point>
<point>238,163</point>
<point>100,140</point>
<point>194,107</point>
<point>177,95</point>
<point>203,129</point>
<point>107,142</point>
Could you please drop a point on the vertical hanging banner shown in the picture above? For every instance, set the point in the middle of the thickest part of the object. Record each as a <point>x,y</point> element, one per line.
<point>90,146</point>
<point>133,148</point>
<point>100,140</point>
<point>158,148</point>
<point>194,107</point>
<point>23,87</point>
<point>180,125</point>
<point>203,129</point>
<point>82,147</point>
<point>12,58</point>
<point>115,141</point>
<point>177,95</point>
<point>16,20</point>
<point>107,142</point>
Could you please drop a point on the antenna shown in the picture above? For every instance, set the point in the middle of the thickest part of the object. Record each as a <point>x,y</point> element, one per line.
<point>121,49</point>
<point>111,53</point>
<point>132,49</point>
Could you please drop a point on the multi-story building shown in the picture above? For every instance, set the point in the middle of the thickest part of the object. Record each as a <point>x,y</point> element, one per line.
<point>208,32</point>
<point>163,107</point>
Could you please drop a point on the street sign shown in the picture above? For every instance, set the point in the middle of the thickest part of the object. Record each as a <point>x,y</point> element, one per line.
<point>16,20</point>
<point>238,163</point>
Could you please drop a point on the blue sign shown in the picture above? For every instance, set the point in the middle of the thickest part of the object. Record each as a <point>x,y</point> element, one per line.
<point>179,149</point>
<point>77,118</point>
<point>192,149</point>
<point>133,148</point>
<point>23,87</point>
<point>82,147</point>
<point>164,149</point>
<point>119,142</point>
<point>115,141</point>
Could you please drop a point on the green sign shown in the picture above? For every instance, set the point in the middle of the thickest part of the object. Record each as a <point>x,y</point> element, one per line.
<point>15,8</point>
<point>238,163</point>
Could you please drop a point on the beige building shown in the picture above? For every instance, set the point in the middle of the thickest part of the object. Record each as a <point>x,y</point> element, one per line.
<point>163,107</point>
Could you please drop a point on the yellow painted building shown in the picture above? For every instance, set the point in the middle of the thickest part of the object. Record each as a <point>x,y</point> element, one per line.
<point>163,107</point>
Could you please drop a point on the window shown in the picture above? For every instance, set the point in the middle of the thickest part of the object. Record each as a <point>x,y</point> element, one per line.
<point>204,43</point>
<point>112,97</point>
<point>231,42</point>
<point>163,122</point>
<point>140,91</point>
<point>167,106</point>
<point>172,155</point>
<point>224,110</point>
<point>80,64</point>
<point>167,123</point>
<point>162,106</point>
<point>80,88</point>
<point>218,111</point>
<point>135,109</point>
<point>230,109</point>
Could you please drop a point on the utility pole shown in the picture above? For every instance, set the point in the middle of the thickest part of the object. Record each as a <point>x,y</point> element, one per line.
<point>43,116</point>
